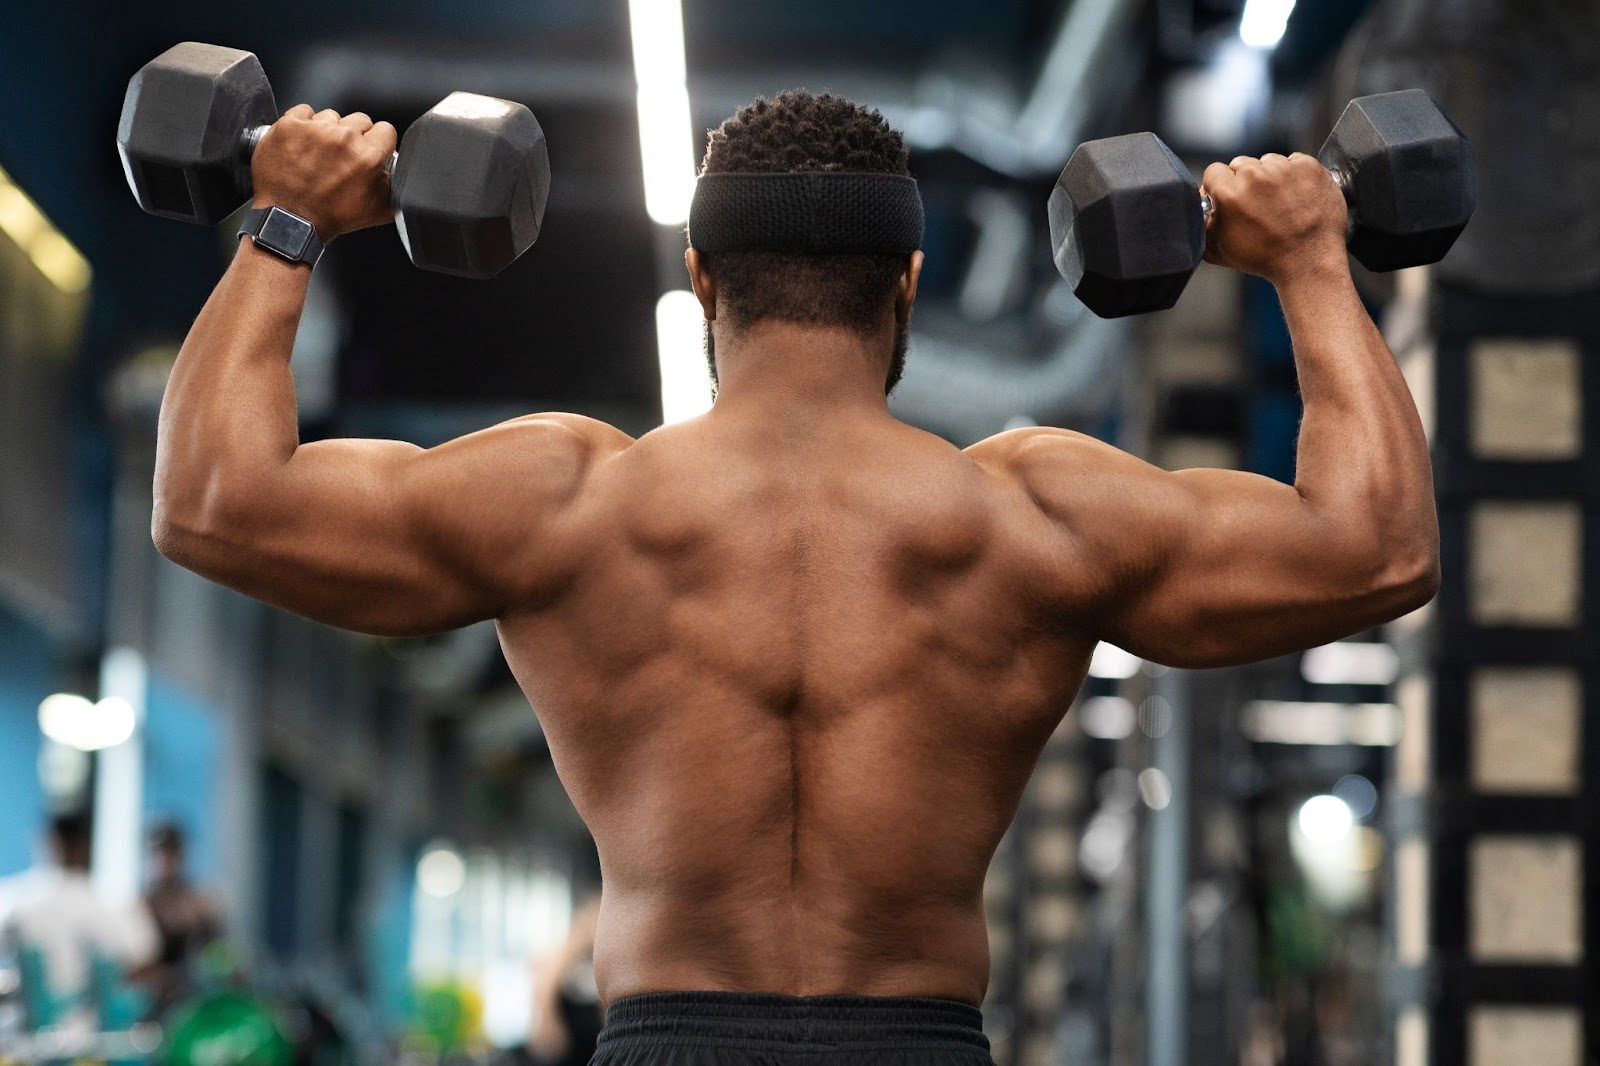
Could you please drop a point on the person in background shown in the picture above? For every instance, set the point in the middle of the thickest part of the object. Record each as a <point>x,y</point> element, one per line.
<point>53,910</point>
<point>567,1016</point>
<point>186,918</point>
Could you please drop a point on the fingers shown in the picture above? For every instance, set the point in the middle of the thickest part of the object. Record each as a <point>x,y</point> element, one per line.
<point>1242,162</point>
<point>357,120</point>
<point>326,115</point>
<point>298,111</point>
<point>382,137</point>
<point>1219,182</point>
<point>1217,178</point>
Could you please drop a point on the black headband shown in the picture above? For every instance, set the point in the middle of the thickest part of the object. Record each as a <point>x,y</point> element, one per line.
<point>811,212</point>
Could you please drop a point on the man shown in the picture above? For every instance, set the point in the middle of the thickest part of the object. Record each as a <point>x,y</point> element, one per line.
<point>185,917</point>
<point>567,1016</point>
<point>795,659</point>
<point>54,911</point>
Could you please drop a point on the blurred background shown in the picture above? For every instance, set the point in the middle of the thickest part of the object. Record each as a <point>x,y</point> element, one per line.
<point>301,845</point>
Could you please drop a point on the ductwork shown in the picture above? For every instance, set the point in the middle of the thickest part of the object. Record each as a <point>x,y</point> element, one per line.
<point>966,111</point>
<point>967,383</point>
<point>968,380</point>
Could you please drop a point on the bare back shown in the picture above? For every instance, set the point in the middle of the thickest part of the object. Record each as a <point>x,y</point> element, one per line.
<point>795,659</point>
<point>795,690</point>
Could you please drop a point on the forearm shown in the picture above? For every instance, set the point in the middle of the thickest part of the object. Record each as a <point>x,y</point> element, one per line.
<point>228,419</point>
<point>1363,456</point>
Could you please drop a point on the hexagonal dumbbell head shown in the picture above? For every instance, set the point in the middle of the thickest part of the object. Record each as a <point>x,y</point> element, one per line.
<point>471,185</point>
<point>182,126</point>
<point>1126,225</point>
<point>1409,175</point>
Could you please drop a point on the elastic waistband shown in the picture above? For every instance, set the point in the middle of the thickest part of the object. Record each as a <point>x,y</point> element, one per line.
<point>818,1023</point>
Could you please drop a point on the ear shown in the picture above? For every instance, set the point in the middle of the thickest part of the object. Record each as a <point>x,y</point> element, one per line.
<point>705,288</point>
<point>906,293</point>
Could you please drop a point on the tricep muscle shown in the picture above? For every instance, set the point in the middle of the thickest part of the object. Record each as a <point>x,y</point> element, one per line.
<point>387,538</point>
<point>1208,567</point>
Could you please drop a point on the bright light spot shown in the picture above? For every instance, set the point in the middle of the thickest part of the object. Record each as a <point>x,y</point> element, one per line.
<point>666,132</point>
<point>1295,722</point>
<point>1359,794</point>
<point>1112,663</point>
<point>52,254</point>
<point>60,714</point>
<point>1325,819</point>
<point>1155,789</point>
<point>473,106</point>
<point>1350,663</point>
<point>1218,102</point>
<point>657,29</point>
<point>18,217</point>
<point>1336,856</point>
<point>667,146</point>
<point>1106,717</point>
<point>680,347</point>
<point>76,722</point>
<point>58,260</point>
<point>507,989</point>
<point>440,872</point>
<point>1264,21</point>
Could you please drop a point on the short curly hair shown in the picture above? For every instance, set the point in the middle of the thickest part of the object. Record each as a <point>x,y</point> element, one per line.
<point>799,131</point>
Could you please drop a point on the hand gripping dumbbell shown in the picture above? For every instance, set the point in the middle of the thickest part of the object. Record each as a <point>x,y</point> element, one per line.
<point>468,184</point>
<point>1128,223</point>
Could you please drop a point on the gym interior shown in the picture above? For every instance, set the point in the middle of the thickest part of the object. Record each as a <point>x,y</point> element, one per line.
<point>356,850</point>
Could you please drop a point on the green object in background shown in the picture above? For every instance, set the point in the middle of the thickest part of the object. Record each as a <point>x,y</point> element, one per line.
<point>448,1014</point>
<point>226,1029</point>
<point>1299,934</point>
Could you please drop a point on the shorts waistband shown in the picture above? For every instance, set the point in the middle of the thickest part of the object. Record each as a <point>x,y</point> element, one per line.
<point>839,1023</point>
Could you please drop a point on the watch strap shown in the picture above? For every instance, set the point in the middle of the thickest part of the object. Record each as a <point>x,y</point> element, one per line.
<point>283,233</point>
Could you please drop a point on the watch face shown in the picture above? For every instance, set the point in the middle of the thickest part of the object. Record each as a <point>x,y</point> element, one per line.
<point>284,233</point>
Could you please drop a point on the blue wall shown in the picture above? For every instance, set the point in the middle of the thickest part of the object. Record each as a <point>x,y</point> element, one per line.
<point>182,746</point>
<point>27,672</point>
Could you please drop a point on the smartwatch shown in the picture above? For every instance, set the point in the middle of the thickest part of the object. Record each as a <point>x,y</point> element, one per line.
<point>282,233</point>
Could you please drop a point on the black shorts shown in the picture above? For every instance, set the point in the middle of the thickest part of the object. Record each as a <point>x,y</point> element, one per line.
<point>739,1029</point>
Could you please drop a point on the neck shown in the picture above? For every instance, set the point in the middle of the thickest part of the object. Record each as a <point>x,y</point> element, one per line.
<point>797,368</point>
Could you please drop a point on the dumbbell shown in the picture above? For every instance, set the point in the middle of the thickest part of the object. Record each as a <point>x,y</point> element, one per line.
<point>468,184</point>
<point>1128,223</point>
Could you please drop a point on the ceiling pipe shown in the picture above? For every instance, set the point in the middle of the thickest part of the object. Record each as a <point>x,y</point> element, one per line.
<point>968,387</point>
<point>980,118</point>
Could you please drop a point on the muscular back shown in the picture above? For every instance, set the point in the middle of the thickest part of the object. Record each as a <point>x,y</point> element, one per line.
<point>795,686</point>
<point>795,659</point>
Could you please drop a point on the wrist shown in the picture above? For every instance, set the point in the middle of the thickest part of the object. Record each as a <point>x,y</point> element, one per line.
<point>258,259</point>
<point>283,233</point>
<point>1313,270</point>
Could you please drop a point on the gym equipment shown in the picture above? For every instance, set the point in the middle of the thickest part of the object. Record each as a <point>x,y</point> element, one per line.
<point>469,182</point>
<point>1128,223</point>
<point>226,1029</point>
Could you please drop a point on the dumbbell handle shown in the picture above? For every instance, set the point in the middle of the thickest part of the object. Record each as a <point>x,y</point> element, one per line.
<point>252,137</point>
<point>1339,178</point>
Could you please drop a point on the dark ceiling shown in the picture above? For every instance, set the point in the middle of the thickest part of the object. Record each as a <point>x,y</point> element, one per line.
<point>573,324</point>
